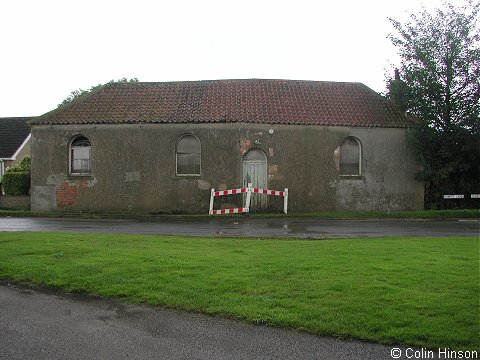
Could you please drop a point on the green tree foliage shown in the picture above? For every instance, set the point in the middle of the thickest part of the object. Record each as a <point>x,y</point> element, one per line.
<point>24,166</point>
<point>77,93</point>
<point>438,83</point>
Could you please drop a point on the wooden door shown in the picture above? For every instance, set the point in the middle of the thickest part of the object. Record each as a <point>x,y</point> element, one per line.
<point>255,172</point>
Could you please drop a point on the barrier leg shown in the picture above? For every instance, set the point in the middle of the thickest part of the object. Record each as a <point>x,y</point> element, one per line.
<point>285,201</point>
<point>211,201</point>
<point>249,195</point>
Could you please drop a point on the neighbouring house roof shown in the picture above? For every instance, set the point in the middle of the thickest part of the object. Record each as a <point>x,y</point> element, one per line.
<point>225,101</point>
<point>13,133</point>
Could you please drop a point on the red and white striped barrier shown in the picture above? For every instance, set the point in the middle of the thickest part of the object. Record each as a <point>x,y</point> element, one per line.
<point>230,192</point>
<point>269,192</point>
<point>228,211</point>
<point>248,190</point>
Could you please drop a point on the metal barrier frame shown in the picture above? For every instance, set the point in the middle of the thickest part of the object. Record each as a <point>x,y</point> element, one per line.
<point>248,190</point>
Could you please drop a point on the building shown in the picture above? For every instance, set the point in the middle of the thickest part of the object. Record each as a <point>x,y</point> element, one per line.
<point>161,147</point>
<point>14,141</point>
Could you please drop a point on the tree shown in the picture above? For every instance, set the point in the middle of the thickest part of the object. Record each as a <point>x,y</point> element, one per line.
<point>77,93</point>
<point>438,83</point>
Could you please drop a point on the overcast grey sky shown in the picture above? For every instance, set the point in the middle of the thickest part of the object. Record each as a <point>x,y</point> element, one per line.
<point>50,48</point>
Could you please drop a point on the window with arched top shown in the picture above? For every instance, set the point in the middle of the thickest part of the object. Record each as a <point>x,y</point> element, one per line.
<point>80,155</point>
<point>350,157</point>
<point>255,155</point>
<point>188,155</point>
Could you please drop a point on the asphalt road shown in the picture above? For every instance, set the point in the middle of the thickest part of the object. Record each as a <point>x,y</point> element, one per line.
<point>253,227</point>
<point>41,324</point>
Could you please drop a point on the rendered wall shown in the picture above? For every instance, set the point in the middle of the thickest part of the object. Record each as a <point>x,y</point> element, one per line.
<point>133,168</point>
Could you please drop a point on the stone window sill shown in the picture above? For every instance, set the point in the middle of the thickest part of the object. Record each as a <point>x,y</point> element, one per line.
<point>351,177</point>
<point>187,177</point>
<point>80,177</point>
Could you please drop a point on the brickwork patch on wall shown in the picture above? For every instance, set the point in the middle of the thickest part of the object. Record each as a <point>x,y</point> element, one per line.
<point>66,194</point>
<point>245,145</point>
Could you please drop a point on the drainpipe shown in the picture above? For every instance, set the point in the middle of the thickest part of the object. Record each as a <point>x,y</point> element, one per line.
<point>2,170</point>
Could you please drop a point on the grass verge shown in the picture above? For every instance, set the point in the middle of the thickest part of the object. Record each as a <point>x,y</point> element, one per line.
<point>411,291</point>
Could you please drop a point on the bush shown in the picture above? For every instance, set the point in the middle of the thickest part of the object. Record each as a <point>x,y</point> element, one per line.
<point>16,183</point>
<point>25,164</point>
<point>23,167</point>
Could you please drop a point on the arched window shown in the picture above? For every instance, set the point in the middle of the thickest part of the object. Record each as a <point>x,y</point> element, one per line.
<point>350,157</point>
<point>80,158</point>
<point>255,155</point>
<point>188,155</point>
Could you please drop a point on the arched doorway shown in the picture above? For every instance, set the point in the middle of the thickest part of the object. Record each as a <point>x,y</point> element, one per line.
<point>255,172</point>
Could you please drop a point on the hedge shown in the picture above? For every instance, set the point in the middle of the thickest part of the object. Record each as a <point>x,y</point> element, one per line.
<point>16,183</point>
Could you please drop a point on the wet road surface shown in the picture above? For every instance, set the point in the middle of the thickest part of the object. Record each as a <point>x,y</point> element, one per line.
<point>252,227</point>
<point>42,324</point>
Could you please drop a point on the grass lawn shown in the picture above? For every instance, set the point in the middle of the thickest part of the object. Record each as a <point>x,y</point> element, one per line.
<point>413,291</point>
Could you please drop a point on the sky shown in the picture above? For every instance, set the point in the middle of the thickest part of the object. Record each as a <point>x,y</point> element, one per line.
<point>50,48</point>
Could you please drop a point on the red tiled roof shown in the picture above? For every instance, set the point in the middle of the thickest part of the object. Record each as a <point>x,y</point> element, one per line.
<point>216,101</point>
